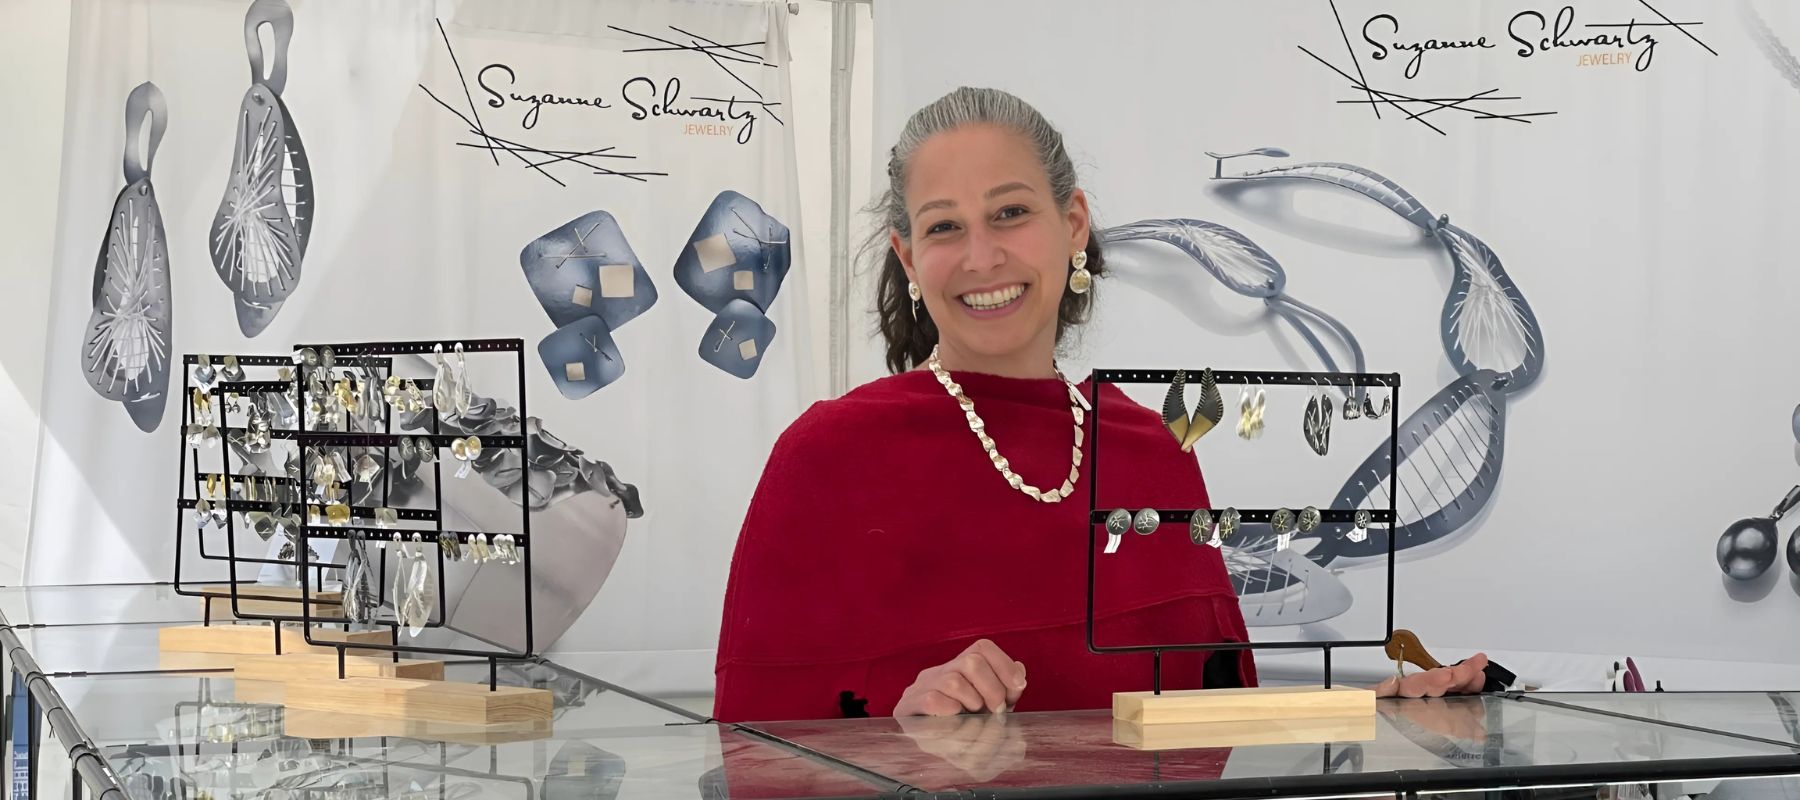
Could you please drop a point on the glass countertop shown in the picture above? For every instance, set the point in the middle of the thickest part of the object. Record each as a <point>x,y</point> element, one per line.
<point>1477,740</point>
<point>233,738</point>
<point>1773,716</point>
<point>134,647</point>
<point>99,604</point>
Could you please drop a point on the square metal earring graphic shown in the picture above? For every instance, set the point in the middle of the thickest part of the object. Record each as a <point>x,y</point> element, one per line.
<point>586,268</point>
<point>581,357</point>
<point>737,339</point>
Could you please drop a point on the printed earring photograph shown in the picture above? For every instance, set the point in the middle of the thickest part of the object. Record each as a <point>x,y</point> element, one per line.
<point>734,264</point>
<point>259,234</point>
<point>591,283</point>
<point>125,351</point>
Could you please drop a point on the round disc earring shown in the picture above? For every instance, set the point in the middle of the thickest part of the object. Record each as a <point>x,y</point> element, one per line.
<point>1199,526</point>
<point>1080,281</point>
<point>1146,522</point>
<point>912,291</point>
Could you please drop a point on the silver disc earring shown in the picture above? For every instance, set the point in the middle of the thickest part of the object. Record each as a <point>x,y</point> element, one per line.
<point>1117,523</point>
<point>1080,280</point>
<point>1361,533</point>
<point>1146,522</point>
<point>912,291</point>
<point>1199,526</point>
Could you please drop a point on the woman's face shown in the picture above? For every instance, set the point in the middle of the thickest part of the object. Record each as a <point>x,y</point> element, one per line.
<point>989,248</point>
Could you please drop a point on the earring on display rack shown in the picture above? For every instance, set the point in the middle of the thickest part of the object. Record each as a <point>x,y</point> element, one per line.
<point>464,395</point>
<point>231,370</point>
<point>912,291</point>
<point>427,450</point>
<point>1208,411</point>
<point>1316,423</point>
<point>1200,525</point>
<point>1228,523</point>
<point>1146,522</point>
<point>481,548</point>
<point>1387,404</point>
<point>466,451</point>
<point>451,546</point>
<point>1360,533</point>
<point>443,384</point>
<point>202,503</point>
<point>1282,522</point>
<point>202,433</point>
<point>204,374</point>
<point>1117,523</point>
<point>1080,280</point>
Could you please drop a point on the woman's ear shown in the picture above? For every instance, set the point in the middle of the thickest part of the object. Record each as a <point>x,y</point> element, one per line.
<point>1078,221</point>
<point>902,248</point>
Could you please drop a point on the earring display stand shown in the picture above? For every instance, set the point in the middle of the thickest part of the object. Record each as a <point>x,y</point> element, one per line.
<point>233,498</point>
<point>313,662</point>
<point>1157,719</point>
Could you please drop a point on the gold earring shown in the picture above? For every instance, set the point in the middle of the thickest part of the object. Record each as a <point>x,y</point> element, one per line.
<point>912,291</point>
<point>1080,281</point>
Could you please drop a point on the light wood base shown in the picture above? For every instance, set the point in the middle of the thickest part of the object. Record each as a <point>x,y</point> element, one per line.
<point>195,661</point>
<point>1243,734</point>
<point>442,701</point>
<point>266,692</point>
<point>234,639</point>
<point>308,724</point>
<point>259,639</point>
<point>305,666</point>
<point>1242,705</point>
<point>293,642</point>
<point>283,601</point>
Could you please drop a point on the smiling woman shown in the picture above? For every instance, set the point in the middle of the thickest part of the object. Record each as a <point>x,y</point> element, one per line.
<point>909,550</point>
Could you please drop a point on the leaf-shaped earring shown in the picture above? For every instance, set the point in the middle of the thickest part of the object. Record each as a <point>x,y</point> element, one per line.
<point>443,384</point>
<point>1316,425</point>
<point>1208,412</point>
<point>1244,420</point>
<point>463,393</point>
<point>1258,405</point>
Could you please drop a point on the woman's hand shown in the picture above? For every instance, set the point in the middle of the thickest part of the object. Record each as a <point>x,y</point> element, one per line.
<point>1464,678</point>
<point>980,746</point>
<point>982,679</point>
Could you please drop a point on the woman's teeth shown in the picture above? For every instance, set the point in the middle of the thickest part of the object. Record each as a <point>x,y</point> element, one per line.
<point>988,301</point>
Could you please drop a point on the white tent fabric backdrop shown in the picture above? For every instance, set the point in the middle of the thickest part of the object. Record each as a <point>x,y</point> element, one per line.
<point>1607,306</point>
<point>461,157</point>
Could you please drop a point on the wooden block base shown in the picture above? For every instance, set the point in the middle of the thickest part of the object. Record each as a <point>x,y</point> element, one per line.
<point>308,724</point>
<point>259,639</point>
<point>1243,734</point>
<point>283,601</point>
<point>1242,705</point>
<point>441,701</point>
<point>234,639</point>
<point>306,666</point>
<point>293,642</point>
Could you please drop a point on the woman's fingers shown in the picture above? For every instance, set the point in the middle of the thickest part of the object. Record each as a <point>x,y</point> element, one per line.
<point>1009,673</point>
<point>979,673</point>
<point>954,685</point>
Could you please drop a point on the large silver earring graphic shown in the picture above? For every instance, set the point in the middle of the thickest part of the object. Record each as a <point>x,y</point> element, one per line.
<point>912,291</point>
<point>1080,280</point>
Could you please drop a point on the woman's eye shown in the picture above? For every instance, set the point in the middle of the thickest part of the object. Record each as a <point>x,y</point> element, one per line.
<point>1012,211</point>
<point>939,228</point>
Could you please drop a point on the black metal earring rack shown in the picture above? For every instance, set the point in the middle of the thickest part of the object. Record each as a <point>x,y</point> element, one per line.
<point>377,356</point>
<point>219,391</point>
<point>1097,515</point>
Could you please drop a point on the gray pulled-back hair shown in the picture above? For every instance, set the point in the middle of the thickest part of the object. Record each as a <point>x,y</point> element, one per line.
<point>909,342</point>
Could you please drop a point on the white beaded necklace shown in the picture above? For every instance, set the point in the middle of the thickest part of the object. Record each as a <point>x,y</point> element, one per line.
<point>1076,404</point>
